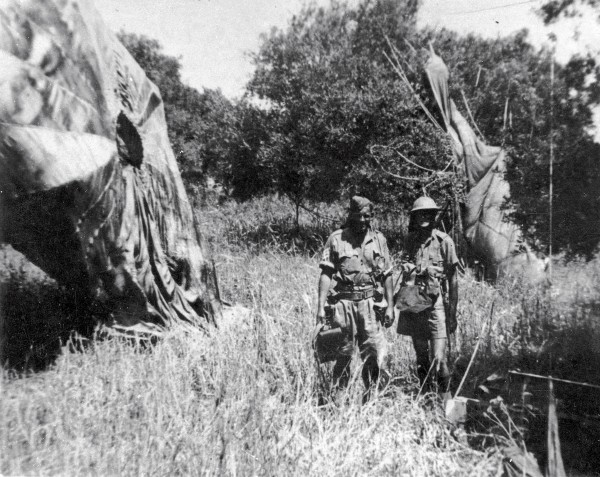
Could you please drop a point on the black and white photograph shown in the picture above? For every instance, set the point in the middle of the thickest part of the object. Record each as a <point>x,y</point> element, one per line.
<point>300,238</point>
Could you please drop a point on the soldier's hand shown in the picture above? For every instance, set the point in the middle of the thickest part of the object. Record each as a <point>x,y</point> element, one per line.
<point>321,315</point>
<point>388,319</point>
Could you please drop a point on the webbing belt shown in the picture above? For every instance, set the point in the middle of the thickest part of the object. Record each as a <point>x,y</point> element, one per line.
<point>355,295</point>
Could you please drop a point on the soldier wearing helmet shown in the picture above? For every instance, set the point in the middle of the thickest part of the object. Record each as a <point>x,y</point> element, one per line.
<point>429,264</point>
<point>357,262</point>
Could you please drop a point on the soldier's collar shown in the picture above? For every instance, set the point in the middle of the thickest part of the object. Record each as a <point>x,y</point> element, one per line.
<point>423,240</point>
<point>369,234</point>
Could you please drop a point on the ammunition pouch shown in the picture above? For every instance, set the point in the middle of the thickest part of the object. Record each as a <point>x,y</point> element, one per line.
<point>432,287</point>
<point>413,299</point>
<point>423,294</point>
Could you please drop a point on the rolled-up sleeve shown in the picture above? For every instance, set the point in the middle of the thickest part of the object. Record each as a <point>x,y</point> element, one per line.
<point>328,255</point>
<point>449,252</point>
<point>385,253</point>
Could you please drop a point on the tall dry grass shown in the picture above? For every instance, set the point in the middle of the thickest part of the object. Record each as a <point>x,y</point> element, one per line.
<point>244,400</point>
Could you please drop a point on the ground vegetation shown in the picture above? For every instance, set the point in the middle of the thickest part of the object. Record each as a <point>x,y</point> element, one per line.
<point>245,399</point>
<point>326,116</point>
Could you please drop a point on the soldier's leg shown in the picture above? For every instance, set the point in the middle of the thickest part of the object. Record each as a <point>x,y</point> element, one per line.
<point>439,343</point>
<point>372,345</point>
<point>370,372</point>
<point>439,346</point>
<point>421,346</point>
<point>343,317</point>
<point>341,372</point>
<point>370,377</point>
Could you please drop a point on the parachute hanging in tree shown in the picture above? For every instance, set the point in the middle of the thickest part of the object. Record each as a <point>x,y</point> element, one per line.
<point>492,237</point>
<point>90,189</point>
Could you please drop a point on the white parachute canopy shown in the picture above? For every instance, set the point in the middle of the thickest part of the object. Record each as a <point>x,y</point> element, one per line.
<point>493,238</point>
<point>89,184</point>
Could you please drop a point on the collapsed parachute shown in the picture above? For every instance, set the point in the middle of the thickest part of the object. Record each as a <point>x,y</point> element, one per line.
<point>492,237</point>
<point>90,189</point>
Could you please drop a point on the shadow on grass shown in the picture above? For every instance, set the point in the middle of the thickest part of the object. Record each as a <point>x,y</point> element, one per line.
<point>549,338</point>
<point>36,318</point>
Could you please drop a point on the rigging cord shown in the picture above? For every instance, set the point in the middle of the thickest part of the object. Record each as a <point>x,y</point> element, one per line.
<point>551,165</point>
<point>498,7</point>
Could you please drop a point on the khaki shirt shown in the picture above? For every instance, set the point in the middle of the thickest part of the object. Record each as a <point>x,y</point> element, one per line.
<point>436,255</point>
<point>356,263</point>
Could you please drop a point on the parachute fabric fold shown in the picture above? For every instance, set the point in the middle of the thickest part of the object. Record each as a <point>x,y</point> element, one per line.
<point>90,186</point>
<point>493,238</point>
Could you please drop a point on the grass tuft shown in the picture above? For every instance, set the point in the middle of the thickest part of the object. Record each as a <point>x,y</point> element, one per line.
<point>244,400</point>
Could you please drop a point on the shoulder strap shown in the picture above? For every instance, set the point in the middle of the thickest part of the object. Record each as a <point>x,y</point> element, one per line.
<point>439,235</point>
<point>377,235</point>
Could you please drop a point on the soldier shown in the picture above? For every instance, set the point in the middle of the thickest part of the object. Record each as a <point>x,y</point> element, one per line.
<point>429,264</point>
<point>356,258</point>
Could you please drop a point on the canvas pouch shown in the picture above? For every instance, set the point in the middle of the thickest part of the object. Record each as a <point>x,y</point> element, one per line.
<point>412,299</point>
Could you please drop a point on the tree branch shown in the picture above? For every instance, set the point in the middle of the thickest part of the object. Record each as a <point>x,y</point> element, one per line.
<point>396,176</point>
<point>402,156</point>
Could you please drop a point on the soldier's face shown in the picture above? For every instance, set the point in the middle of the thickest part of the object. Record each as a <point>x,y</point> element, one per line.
<point>360,221</point>
<point>424,218</point>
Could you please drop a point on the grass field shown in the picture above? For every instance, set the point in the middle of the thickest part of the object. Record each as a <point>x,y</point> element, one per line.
<point>244,400</point>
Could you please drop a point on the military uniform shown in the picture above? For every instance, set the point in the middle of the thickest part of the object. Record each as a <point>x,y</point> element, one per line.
<point>359,270</point>
<point>428,264</point>
<point>429,261</point>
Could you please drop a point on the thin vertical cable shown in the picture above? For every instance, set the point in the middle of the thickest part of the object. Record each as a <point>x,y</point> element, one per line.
<point>551,166</point>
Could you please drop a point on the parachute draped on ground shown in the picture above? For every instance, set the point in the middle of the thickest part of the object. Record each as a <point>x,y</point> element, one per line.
<point>90,189</point>
<point>492,237</point>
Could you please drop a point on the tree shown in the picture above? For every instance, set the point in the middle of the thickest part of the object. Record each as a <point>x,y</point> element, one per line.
<point>211,136</point>
<point>554,9</point>
<point>338,121</point>
<point>201,124</point>
<point>338,115</point>
<point>509,90</point>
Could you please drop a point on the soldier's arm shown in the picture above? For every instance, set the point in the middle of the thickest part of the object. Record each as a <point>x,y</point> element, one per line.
<point>388,284</point>
<point>452,293</point>
<point>327,269</point>
<point>324,283</point>
<point>389,297</point>
<point>451,270</point>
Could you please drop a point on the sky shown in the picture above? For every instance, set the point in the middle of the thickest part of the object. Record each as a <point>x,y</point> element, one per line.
<point>212,38</point>
<point>491,18</point>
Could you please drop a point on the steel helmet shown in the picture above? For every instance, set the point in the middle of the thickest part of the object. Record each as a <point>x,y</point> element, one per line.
<point>424,203</point>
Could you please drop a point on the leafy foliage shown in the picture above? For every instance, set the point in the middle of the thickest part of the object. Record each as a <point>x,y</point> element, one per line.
<point>515,103</point>
<point>552,10</point>
<point>338,114</point>
<point>335,120</point>
<point>212,137</point>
